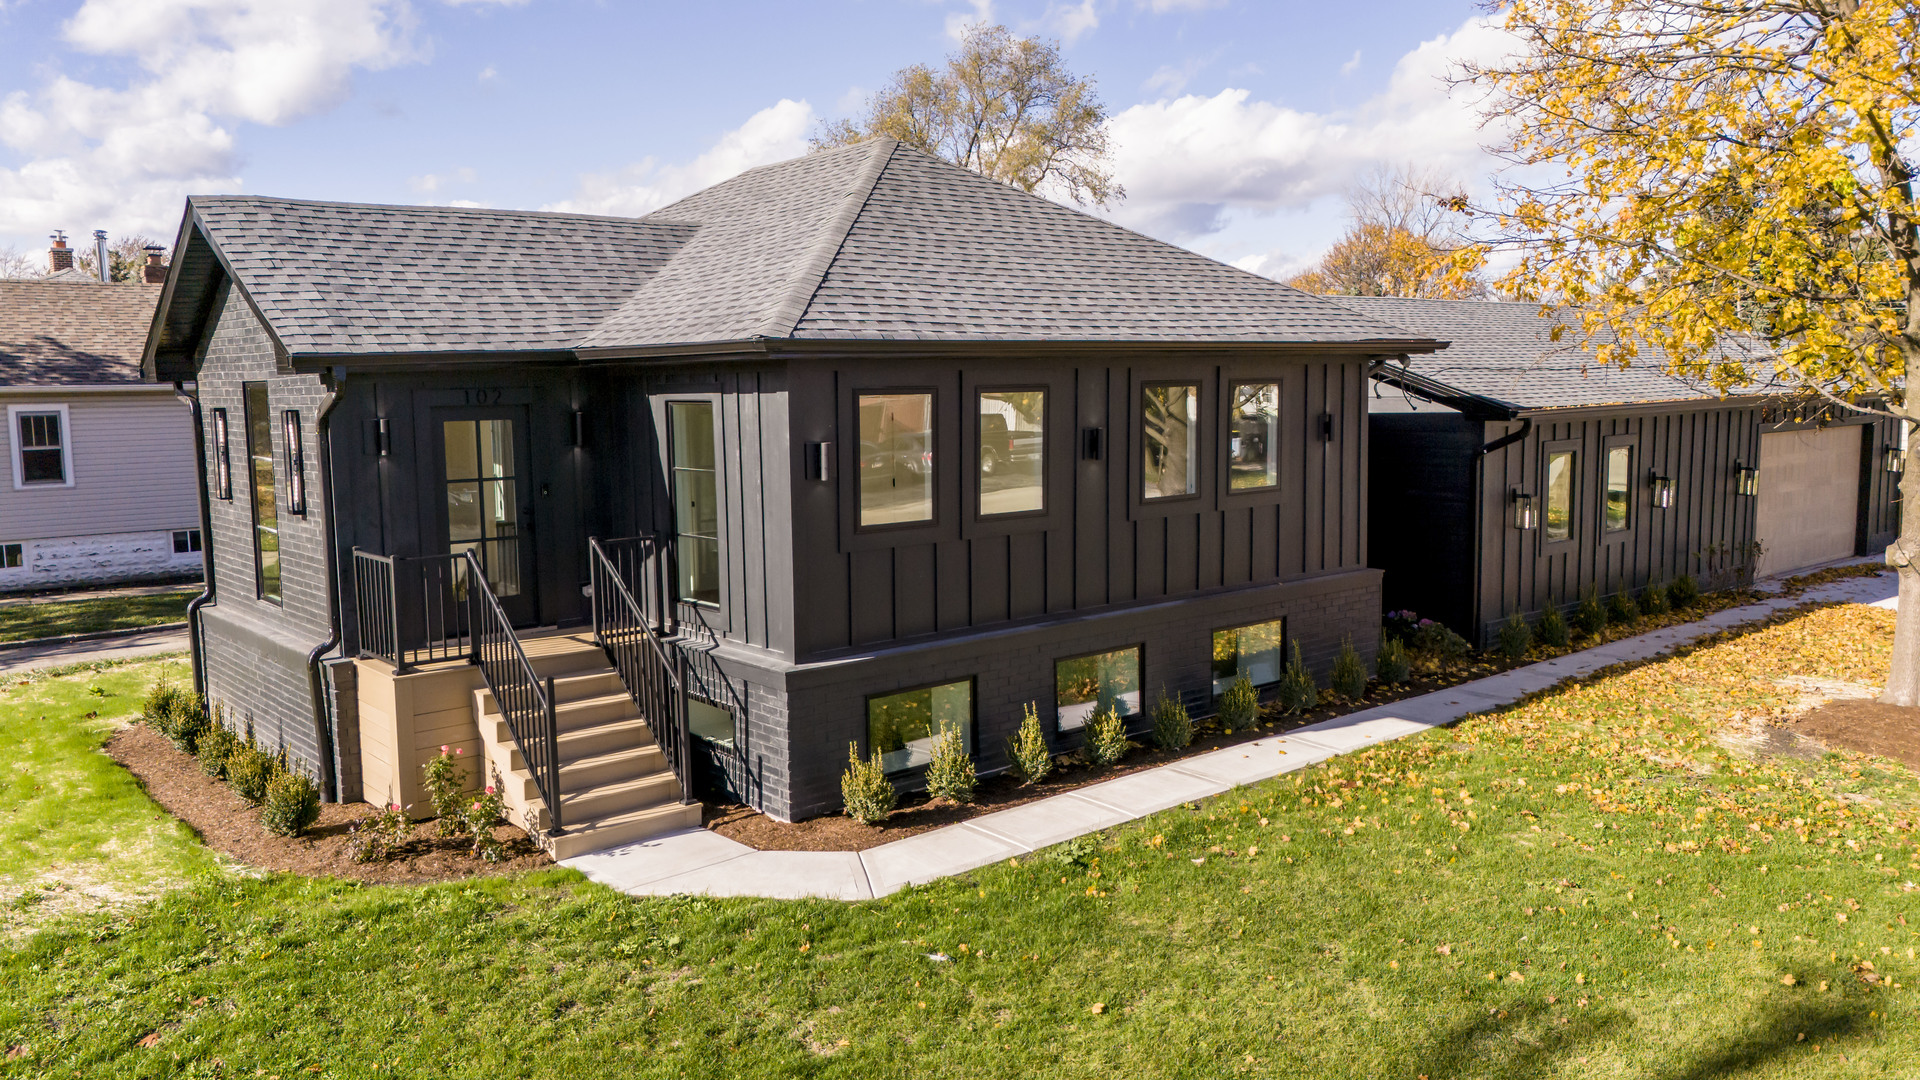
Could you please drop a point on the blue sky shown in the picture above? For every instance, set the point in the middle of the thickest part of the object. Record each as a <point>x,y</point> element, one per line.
<point>1236,124</point>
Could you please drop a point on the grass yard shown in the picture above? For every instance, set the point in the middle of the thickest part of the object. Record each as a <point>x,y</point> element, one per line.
<point>1599,883</point>
<point>23,622</point>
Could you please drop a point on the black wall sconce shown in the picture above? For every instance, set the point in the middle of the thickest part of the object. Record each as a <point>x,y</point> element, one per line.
<point>296,462</point>
<point>1523,518</point>
<point>819,461</point>
<point>1326,427</point>
<point>1894,460</point>
<point>382,440</point>
<point>1092,441</point>
<point>579,429</point>
<point>1746,479</point>
<point>1662,488</point>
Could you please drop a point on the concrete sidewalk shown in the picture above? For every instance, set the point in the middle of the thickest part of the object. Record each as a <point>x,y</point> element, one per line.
<point>700,861</point>
<point>128,647</point>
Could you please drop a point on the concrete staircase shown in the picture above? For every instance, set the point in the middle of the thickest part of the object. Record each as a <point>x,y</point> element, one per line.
<point>615,784</point>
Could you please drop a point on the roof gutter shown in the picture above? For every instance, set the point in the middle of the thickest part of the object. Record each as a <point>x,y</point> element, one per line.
<point>322,715</point>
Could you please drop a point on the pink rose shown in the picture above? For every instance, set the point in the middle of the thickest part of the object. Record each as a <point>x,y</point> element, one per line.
<point>489,789</point>
<point>457,751</point>
<point>443,748</point>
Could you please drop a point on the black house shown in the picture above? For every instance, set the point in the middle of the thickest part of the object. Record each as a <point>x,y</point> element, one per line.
<point>838,451</point>
<point>1512,471</point>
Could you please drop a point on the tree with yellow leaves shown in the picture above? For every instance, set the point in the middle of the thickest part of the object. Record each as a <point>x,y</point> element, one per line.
<point>1003,106</point>
<point>1725,170</point>
<point>1403,241</point>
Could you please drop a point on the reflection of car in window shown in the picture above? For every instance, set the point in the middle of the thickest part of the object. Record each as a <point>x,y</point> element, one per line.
<point>1006,437</point>
<point>1250,438</point>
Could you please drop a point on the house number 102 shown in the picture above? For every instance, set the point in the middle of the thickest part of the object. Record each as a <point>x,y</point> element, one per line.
<point>483,397</point>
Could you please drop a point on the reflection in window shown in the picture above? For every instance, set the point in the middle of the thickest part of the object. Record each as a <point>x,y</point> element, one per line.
<point>1619,486</point>
<point>1012,438</point>
<point>708,721</point>
<point>896,458</point>
<point>1085,684</point>
<point>1253,453</point>
<point>483,507</point>
<point>902,726</point>
<point>1254,651</point>
<point>1170,432</point>
<point>1560,495</point>
<point>696,500</point>
<point>266,512</point>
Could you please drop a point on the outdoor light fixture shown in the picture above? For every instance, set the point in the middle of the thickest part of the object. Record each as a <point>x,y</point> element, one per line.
<point>1895,460</point>
<point>1747,478</point>
<point>1091,439</point>
<point>382,438</point>
<point>296,462</point>
<point>579,428</point>
<point>1522,510</point>
<point>1662,487</point>
<point>1326,427</point>
<point>819,461</point>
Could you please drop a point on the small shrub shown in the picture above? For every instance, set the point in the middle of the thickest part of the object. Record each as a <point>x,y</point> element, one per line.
<point>1392,665</point>
<point>1553,628</point>
<point>1239,707</point>
<point>1349,673</point>
<point>1590,617</point>
<point>292,804</point>
<point>158,708</point>
<point>1516,637</point>
<point>379,834</point>
<point>217,747</point>
<point>865,789</point>
<point>250,770</point>
<point>1684,591</point>
<point>1621,610</point>
<point>446,783</point>
<point>1436,642</point>
<point>189,722</point>
<point>1172,727</point>
<point>1107,737</point>
<point>486,810</point>
<point>1298,691</point>
<point>1027,750</point>
<point>1653,599</point>
<point>950,775</point>
<point>1400,625</point>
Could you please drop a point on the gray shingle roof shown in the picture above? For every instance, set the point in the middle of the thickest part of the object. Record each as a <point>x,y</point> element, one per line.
<point>73,331</point>
<point>1503,352</point>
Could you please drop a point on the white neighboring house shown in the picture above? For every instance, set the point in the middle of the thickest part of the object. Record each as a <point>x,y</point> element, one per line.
<point>100,481</point>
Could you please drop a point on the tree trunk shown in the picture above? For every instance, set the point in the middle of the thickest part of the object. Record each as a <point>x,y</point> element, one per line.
<point>1903,674</point>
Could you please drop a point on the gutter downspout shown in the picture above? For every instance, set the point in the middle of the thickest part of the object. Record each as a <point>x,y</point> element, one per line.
<point>1480,513</point>
<point>323,716</point>
<point>206,536</point>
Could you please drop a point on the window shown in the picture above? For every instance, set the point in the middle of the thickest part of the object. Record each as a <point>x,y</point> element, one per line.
<point>1012,451</point>
<point>222,463</point>
<point>708,721</point>
<point>483,498</point>
<point>1619,487</point>
<point>1560,495</point>
<point>296,462</point>
<point>1254,651</point>
<point>902,727</point>
<point>1170,436</point>
<point>1253,450</point>
<point>10,556</point>
<point>696,502</point>
<point>40,451</point>
<point>185,541</point>
<point>1085,684</point>
<point>896,458</point>
<point>266,512</point>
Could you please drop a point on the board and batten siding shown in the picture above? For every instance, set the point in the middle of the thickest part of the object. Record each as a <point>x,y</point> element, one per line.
<point>132,456</point>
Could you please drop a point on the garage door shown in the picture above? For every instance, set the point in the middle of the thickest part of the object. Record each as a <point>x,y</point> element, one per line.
<point>1809,497</point>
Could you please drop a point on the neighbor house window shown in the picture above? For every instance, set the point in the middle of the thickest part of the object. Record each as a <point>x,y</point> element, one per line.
<point>1254,651</point>
<point>896,458</point>
<point>1012,451</point>
<point>10,556</point>
<point>1619,486</point>
<point>696,501</point>
<point>222,462</point>
<point>266,512</point>
<point>1170,436</point>
<point>40,451</point>
<point>708,721</point>
<point>902,727</point>
<point>1560,494</point>
<point>185,541</point>
<point>1086,684</point>
<point>1253,449</point>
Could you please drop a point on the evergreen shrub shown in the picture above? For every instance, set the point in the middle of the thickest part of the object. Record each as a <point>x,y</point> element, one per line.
<point>864,788</point>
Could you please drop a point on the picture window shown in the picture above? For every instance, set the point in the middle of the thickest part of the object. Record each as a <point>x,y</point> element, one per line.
<point>902,727</point>
<point>1170,441</point>
<point>1012,452</point>
<point>896,458</point>
<point>1085,684</point>
<point>1253,447</point>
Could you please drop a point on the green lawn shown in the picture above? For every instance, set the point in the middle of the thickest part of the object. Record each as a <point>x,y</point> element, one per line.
<point>22,622</point>
<point>1589,885</point>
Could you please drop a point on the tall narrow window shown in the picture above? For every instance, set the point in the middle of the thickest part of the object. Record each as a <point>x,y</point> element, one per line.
<point>1253,449</point>
<point>1012,451</point>
<point>1560,494</point>
<point>696,500</point>
<point>1086,684</point>
<point>40,447</point>
<point>222,460</point>
<point>266,511</point>
<point>1619,487</point>
<point>483,498</point>
<point>296,462</point>
<point>896,458</point>
<point>1170,436</point>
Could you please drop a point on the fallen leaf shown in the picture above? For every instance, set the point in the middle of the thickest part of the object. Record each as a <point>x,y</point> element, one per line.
<point>150,1040</point>
<point>1098,1008</point>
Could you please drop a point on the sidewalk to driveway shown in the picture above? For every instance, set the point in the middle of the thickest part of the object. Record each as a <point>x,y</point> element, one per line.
<point>701,861</point>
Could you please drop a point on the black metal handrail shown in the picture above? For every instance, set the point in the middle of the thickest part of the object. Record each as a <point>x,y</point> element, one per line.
<point>412,609</point>
<point>652,667</point>
<point>525,698</point>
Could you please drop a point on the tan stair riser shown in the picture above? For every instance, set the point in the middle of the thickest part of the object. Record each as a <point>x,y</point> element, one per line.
<point>582,841</point>
<point>560,665</point>
<point>607,769</point>
<point>615,799</point>
<point>603,739</point>
<point>519,782</point>
<point>580,687</point>
<point>572,715</point>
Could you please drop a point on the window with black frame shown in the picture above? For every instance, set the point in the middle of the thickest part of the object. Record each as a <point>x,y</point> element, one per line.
<point>1170,441</point>
<point>1085,684</point>
<point>222,458</point>
<point>1619,488</point>
<point>902,726</point>
<point>1560,485</point>
<point>1012,452</point>
<point>266,510</point>
<point>896,458</point>
<point>696,500</point>
<point>1256,651</point>
<point>1253,448</point>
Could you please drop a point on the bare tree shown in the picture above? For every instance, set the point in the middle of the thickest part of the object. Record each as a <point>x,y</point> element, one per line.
<point>1403,240</point>
<point>14,264</point>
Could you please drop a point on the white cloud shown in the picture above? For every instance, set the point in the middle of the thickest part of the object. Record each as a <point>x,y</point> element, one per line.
<point>958,23</point>
<point>433,182</point>
<point>1171,80</point>
<point>1352,65</point>
<point>1071,20</point>
<point>775,133</point>
<point>487,74</point>
<point>1278,264</point>
<point>1161,7</point>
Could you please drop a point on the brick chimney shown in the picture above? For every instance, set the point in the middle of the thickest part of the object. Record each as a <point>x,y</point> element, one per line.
<point>156,270</point>
<point>59,257</point>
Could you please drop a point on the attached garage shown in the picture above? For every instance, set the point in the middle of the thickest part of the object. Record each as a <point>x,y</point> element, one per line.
<point>1808,509</point>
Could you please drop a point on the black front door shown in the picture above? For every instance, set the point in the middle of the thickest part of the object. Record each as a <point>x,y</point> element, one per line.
<point>486,505</point>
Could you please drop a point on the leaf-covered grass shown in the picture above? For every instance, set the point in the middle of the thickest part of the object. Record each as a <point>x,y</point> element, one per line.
<point>1591,884</point>
<point>24,622</point>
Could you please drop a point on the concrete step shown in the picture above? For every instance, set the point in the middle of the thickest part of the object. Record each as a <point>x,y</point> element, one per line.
<point>627,828</point>
<point>584,712</point>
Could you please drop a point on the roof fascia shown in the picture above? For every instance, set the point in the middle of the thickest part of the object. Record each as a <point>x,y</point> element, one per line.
<point>871,347</point>
<point>807,277</point>
<point>319,363</point>
<point>280,352</point>
<point>1474,406</point>
<point>1644,408</point>
<point>150,354</point>
<point>89,389</point>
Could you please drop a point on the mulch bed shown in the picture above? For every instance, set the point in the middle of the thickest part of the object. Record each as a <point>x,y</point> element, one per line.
<point>1866,726</point>
<point>229,825</point>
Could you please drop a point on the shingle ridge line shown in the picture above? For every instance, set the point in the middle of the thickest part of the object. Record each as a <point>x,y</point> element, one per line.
<point>790,308</point>
<point>469,211</point>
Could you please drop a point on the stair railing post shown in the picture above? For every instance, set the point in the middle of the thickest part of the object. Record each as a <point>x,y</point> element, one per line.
<point>400,665</point>
<point>551,737</point>
<point>683,746</point>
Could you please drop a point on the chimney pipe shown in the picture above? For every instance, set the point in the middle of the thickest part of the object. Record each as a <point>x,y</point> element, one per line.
<point>156,271</point>
<point>100,256</point>
<point>59,256</point>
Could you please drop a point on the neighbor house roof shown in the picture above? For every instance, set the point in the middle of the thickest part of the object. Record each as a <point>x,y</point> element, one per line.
<point>873,241</point>
<point>73,331</point>
<point>1503,354</point>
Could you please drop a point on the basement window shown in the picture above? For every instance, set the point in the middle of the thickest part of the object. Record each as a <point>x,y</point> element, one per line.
<point>1255,651</point>
<point>1083,685</point>
<point>902,726</point>
<point>708,721</point>
<point>186,541</point>
<point>10,556</point>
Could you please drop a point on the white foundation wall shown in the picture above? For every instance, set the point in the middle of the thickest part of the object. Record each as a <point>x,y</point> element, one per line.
<point>96,560</point>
